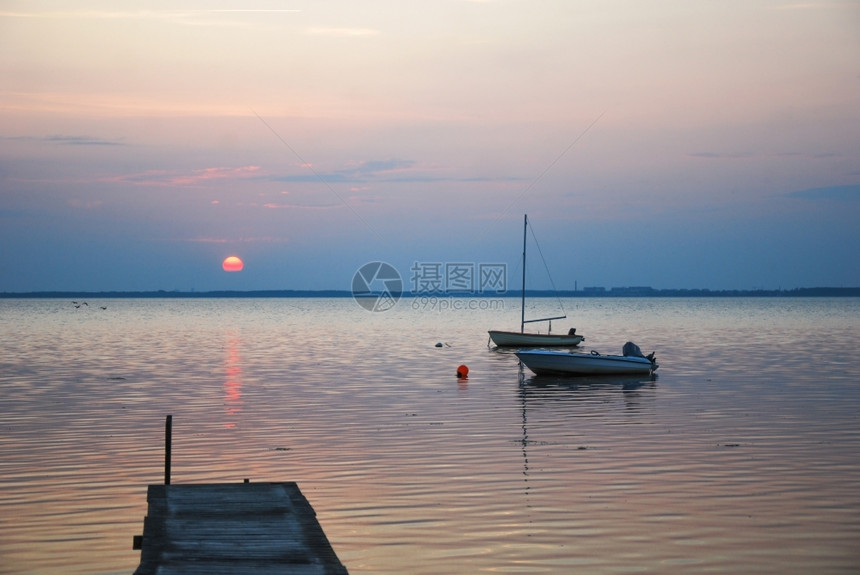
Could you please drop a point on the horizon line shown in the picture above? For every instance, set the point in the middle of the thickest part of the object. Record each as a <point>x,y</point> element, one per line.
<point>634,291</point>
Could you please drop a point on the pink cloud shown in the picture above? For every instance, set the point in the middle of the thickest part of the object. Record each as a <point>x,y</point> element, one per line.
<point>239,240</point>
<point>190,178</point>
<point>276,206</point>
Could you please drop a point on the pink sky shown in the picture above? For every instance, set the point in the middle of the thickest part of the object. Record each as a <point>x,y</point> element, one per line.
<point>671,144</point>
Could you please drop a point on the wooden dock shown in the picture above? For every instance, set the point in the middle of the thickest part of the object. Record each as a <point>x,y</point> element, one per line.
<point>259,528</point>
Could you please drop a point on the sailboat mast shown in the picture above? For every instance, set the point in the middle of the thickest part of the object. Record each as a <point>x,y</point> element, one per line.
<point>523,302</point>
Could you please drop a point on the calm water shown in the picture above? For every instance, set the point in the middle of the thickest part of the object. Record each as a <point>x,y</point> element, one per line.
<point>742,455</point>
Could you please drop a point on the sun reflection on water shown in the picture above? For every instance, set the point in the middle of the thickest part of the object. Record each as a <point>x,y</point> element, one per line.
<point>728,456</point>
<point>232,381</point>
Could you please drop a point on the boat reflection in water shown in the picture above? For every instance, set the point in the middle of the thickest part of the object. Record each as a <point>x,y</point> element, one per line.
<point>563,417</point>
<point>588,382</point>
<point>600,390</point>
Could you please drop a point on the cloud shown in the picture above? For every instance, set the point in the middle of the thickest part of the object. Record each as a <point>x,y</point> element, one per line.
<point>66,140</point>
<point>720,156</point>
<point>240,240</point>
<point>82,141</point>
<point>110,105</point>
<point>252,11</point>
<point>839,193</point>
<point>356,172</point>
<point>187,178</point>
<point>283,206</point>
<point>826,156</point>
<point>329,178</point>
<point>188,17</point>
<point>375,167</point>
<point>805,6</point>
<point>745,155</point>
<point>390,170</point>
<point>343,32</point>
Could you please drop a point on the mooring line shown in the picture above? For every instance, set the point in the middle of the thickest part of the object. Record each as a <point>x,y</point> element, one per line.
<point>542,174</point>
<point>317,175</point>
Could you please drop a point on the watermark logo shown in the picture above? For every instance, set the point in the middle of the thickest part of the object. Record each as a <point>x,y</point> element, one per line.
<point>458,278</point>
<point>377,286</point>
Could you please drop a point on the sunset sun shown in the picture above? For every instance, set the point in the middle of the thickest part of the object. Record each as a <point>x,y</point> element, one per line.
<point>232,264</point>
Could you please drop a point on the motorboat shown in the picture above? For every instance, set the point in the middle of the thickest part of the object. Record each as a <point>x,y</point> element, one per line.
<point>556,362</point>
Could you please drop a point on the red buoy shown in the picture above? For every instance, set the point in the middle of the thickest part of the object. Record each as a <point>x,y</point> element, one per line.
<point>463,371</point>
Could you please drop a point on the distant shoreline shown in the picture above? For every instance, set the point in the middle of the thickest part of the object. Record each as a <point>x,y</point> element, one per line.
<point>587,293</point>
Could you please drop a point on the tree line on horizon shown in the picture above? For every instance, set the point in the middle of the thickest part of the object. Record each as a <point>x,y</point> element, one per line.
<point>638,291</point>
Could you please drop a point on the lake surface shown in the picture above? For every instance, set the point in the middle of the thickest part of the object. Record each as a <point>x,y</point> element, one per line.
<point>742,455</point>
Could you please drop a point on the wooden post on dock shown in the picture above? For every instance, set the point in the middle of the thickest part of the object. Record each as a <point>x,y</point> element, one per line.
<point>168,441</point>
<point>236,528</point>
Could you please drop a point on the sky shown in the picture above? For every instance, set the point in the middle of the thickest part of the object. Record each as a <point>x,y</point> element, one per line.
<point>669,143</point>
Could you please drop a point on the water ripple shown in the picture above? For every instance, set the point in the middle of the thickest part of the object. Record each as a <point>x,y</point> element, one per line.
<point>744,446</point>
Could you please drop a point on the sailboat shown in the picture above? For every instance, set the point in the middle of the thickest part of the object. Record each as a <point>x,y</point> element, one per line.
<point>523,339</point>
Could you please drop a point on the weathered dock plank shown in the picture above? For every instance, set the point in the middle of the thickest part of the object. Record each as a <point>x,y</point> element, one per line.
<point>258,528</point>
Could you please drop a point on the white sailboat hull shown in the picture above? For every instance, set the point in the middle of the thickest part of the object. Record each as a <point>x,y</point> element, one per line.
<point>518,339</point>
<point>522,339</point>
<point>546,362</point>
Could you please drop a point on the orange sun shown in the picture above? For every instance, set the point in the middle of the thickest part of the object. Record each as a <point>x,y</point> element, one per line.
<point>232,264</point>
